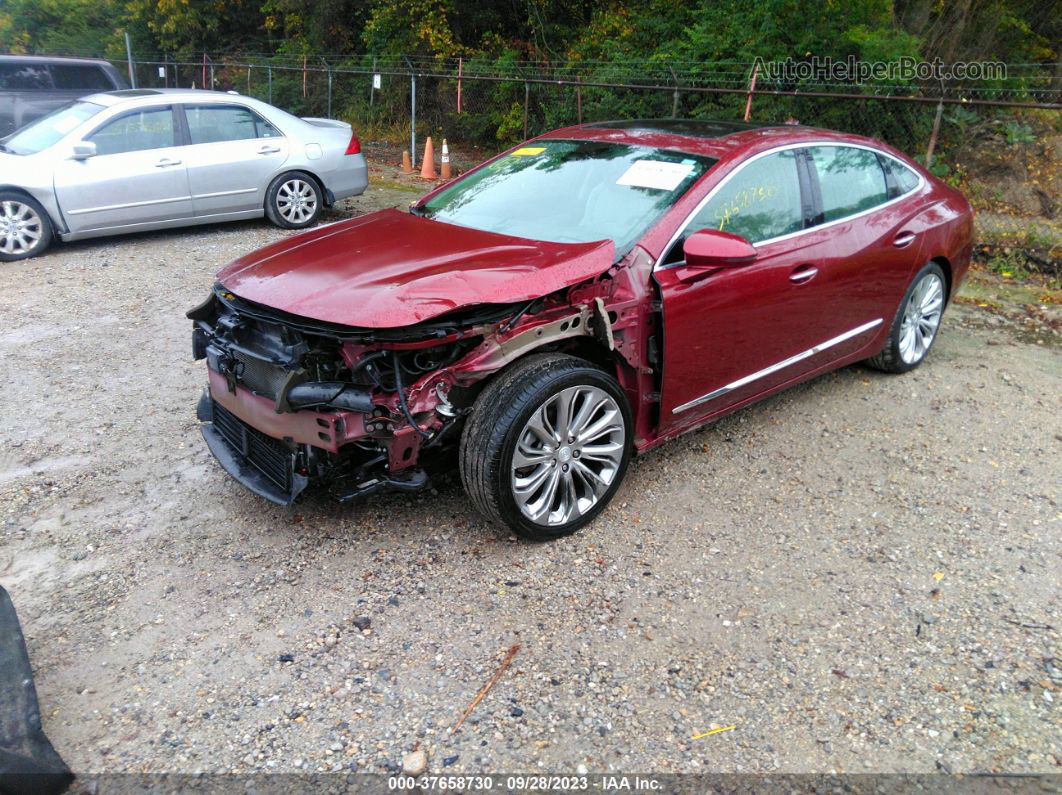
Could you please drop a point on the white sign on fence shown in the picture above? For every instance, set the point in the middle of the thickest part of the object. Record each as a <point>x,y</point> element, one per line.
<point>376,82</point>
<point>162,71</point>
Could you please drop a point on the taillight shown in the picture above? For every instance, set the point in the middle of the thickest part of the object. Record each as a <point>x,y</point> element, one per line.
<point>354,147</point>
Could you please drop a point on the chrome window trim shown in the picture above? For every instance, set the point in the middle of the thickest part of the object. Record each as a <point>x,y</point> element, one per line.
<point>774,368</point>
<point>802,145</point>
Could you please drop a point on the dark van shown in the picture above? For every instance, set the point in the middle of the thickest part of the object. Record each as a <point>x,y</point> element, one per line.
<point>32,86</point>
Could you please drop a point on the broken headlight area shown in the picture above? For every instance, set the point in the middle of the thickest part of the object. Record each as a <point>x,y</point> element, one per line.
<point>290,403</point>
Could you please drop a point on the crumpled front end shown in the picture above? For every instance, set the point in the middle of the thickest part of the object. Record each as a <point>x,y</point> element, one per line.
<point>292,402</point>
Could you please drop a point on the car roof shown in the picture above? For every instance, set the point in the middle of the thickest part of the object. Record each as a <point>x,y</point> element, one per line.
<point>710,138</point>
<point>57,59</point>
<point>111,98</point>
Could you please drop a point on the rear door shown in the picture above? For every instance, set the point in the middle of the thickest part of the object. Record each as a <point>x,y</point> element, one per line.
<point>871,240</point>
<point>137,176</point>
<point>232,155</point>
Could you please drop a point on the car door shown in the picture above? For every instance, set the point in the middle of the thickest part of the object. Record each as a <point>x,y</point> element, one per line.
<point>233,154</point>
<point>732,333</point>
<point>137,176</point>
<point>870,234</point>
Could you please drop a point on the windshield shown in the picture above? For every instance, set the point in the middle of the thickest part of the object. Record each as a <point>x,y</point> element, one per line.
<point>46,131</point>
<point>570,192</point>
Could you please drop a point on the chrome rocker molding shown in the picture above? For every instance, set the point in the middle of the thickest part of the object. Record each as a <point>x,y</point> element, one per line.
<point>774,368</point>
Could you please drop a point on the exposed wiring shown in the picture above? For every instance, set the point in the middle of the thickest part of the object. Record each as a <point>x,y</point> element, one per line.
<point>402,398</point>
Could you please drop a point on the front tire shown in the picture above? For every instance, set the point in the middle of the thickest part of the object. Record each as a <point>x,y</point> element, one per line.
<point>25,229</point>
<point>546,446</point>
<point>294,201</point>
<point>917,322</point>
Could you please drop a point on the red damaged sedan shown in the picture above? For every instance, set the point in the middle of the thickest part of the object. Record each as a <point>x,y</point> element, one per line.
<point>581,298</point>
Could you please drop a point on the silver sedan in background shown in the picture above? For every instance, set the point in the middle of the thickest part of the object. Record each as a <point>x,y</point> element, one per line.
<point>135,160</point>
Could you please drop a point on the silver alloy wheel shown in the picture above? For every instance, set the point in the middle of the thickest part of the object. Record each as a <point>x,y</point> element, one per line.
<point>20,228</point>
<point>296,200</point>
<point>921,318</point>
<point>567,455</point>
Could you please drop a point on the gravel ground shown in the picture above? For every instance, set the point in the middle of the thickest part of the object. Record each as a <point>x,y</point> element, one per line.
<point>856,574</point>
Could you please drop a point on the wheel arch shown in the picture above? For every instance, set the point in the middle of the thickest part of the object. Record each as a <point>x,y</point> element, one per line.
<point>56,221</point>
<point>581,346</point>
<point>945,266</point>
<point>325,193</point>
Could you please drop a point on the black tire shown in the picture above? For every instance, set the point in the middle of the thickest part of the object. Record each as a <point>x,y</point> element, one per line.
<point>24,217</point>
<point>294,200</point>
<point>891,359</point>
<point>498,420</point>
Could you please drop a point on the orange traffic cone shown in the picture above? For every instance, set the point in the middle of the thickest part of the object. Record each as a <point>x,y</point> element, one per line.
<point>407,164</point>
<point>427,166</point>
<point>445,161</point>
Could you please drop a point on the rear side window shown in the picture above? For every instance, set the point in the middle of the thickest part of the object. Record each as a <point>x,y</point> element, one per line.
<point>851,180</point>
<point>759,202</point>
<point>209,124</point>
<point>135,132</point>
<point>78,77</point>
<point>901,179</point>
<point>24,77</point>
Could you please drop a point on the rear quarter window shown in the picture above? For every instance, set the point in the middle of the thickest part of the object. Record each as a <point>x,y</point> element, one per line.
<point>80,77</point>
<point>901,179</point>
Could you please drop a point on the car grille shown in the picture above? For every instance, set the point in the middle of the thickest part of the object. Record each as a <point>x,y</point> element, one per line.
<point>269,456</point>
<point>259,375</point>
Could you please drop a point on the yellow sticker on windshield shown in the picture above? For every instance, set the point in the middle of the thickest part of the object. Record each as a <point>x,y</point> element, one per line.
<point>527,151</point>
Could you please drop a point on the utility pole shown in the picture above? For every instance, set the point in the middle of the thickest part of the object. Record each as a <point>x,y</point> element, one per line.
<point>129,59</point>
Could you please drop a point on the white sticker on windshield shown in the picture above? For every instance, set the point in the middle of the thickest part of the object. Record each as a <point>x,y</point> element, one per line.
<point>655,174</point>
<point>65,124</point>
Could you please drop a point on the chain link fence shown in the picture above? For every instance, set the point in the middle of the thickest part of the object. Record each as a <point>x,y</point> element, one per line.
<point>399,99</point>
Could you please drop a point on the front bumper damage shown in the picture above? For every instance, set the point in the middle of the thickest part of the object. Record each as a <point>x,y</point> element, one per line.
<point>291,402</point>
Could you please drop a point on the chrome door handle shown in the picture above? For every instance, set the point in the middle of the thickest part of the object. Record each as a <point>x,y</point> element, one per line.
<point>803,275</point>
<point>903,239</point>
<point>268,150</point>
<point>167,162</point>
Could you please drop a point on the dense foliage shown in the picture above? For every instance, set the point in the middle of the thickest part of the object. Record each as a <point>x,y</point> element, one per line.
<point>713,43</point>
<point>1023,31</point>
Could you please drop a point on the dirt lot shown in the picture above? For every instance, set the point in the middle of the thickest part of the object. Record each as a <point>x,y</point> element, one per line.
<point>856,575</point>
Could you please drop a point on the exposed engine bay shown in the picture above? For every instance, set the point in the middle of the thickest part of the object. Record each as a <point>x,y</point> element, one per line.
<point>293,401</point>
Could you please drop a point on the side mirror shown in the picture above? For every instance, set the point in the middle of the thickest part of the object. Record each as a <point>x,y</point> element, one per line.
<point>710,248</point>
<point>83,150</point>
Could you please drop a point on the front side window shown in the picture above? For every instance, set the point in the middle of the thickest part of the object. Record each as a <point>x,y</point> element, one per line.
<point>49,130</point>
<point>78,77</point>
<point>151,128</point>
<point>24,77</point>
<point>570,192</point>
<point>759,202</point>
<point>851,180</point>
<point>208,124</point>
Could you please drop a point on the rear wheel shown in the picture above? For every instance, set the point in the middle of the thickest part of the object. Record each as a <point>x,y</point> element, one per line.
<point>915,327</point>
<point>546,446</point>
<point>25,229</point>
<point>294,201</point>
